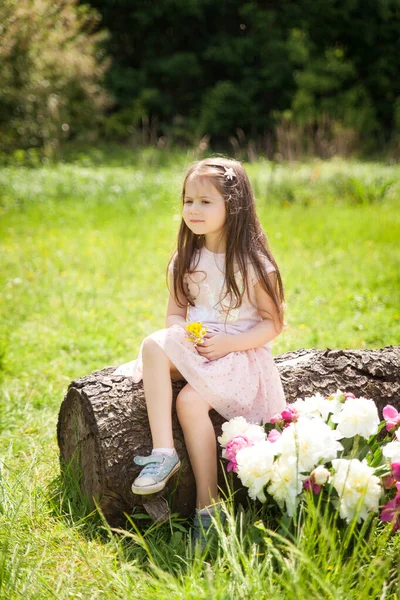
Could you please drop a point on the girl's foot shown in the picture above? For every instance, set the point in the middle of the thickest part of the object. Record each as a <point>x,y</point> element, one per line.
<point>158,469</point>
<point>203,527</point>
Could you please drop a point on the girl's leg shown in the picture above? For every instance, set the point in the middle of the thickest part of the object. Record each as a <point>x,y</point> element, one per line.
<point>164,461</point>
<point>200,440</point>
<point>157,370</point>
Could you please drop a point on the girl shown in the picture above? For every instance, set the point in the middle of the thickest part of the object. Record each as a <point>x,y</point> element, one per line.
<point>224,276</point>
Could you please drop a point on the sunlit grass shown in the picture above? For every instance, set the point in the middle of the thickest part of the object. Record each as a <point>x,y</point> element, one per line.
<point>82,280</point>
<point>46,554</point>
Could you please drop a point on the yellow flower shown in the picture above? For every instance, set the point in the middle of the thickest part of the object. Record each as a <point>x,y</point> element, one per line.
<point>196,332</point>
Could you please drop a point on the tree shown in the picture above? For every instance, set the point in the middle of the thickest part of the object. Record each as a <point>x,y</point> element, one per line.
<point>52,70</point>
<point>239,68</point>
<point>346,67</point>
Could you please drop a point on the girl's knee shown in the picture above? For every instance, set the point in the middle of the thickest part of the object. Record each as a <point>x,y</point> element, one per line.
<point>152,352</point>
<point>189,401</point>
<point>149,347</point>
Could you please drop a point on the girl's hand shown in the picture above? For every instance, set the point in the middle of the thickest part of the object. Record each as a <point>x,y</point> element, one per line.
<point>215,345</point>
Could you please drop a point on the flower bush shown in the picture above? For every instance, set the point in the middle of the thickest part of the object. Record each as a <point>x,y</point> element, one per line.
<point>328,447</point>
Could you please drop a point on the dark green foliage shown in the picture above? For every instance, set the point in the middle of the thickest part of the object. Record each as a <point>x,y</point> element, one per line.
<point>316,69</point>
<point>197,68</point>
<point>283,78</point>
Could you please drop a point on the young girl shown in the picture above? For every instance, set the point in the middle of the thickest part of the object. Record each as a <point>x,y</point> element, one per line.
<point>224,276</point>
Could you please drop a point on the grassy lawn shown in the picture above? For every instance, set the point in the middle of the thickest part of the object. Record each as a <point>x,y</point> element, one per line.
<point>84,248</point>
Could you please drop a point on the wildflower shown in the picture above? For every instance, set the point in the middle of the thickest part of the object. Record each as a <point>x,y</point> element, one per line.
<point>196,332</point>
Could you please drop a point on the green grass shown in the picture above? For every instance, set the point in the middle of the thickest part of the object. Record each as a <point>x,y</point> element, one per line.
<point>83,249</point>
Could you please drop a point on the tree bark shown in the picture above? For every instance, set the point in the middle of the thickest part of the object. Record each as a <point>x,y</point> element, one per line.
<point>103,424</point>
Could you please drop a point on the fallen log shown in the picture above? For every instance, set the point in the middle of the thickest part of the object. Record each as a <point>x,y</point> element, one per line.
<point>103,423</point>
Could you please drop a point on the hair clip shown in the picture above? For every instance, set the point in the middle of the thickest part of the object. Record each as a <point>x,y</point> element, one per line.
<point>229,173</point>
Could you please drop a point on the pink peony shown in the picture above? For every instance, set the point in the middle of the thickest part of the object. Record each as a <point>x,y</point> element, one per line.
<point>233,447</point>
<point>232,466</point>
<point>391,416</point>
<point>276,419</point>
<point>309,484</point>
<point>289,414</point>
<point>391,510</point>
<point>387,482</point>
<point>273,436</point>
<point>396,470</point>
<point>348,395</point>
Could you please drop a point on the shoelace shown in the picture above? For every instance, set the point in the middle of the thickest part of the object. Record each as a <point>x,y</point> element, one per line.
<point>151,469</point>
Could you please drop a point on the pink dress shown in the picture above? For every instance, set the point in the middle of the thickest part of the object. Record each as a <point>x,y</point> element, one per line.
<point>245,383</point>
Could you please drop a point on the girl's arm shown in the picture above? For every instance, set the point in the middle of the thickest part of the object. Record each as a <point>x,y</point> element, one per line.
<point>267,329</point>
<point>255,337</point>
<point>175,314</point>
<point>220,344</point>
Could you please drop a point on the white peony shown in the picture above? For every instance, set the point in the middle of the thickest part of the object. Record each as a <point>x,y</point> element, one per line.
<point>286,483</point>
<point>359,416</point>
<point>358,488</point>
<point>255,466</point>
<point>338,395</point>
<point>392,449</point>
<point>317,406</point>
<point>320,475</point>
<point>309,441</point>
<point>239,426</point>
<point>256,433</point>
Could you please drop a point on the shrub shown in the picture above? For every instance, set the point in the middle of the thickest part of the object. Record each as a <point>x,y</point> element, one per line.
<point>52,69</point>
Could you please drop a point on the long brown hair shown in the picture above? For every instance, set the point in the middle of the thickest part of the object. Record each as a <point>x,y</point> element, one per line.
<point>245,238</point>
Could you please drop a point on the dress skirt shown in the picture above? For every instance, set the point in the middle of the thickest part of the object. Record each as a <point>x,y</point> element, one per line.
<point>245,383</point>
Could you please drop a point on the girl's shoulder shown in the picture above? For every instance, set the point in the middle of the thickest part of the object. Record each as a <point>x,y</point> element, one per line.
<point>194,260</point>
<point>266,265</point>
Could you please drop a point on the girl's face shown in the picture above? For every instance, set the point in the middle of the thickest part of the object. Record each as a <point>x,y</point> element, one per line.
<point>204,210</point>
